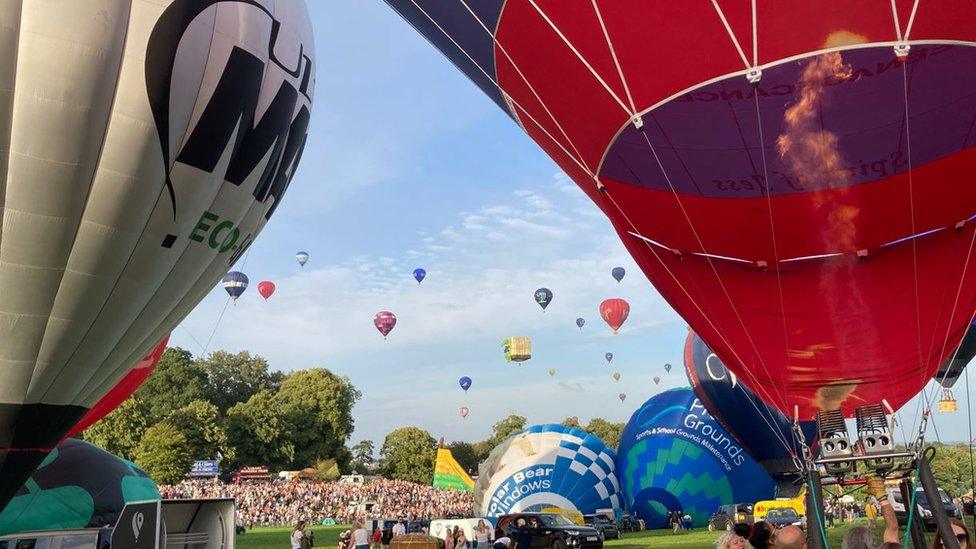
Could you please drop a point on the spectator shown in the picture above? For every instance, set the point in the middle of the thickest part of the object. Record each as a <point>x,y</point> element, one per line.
<point>730,540</point>
<point>481,536</point>
<point>399,528</point>
<point>460,540</point>
<point>859,537</point>
<point>523,536</point>
<point>961,532</point>
<point>360,537</point>
<point>762,535</point>
<point>298,536</point>
<point>502,542</point>
<point>790,537</point>
<point>377,537</point>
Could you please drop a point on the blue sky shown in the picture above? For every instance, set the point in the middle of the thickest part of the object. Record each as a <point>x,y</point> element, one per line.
<point>408,164</point>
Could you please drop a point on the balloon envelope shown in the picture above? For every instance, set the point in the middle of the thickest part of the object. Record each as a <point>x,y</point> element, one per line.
<point>674,456</point>
<point>860,237</point>
<point>384,322</point>
<point>616,376</point>
<point>571,469</point>
<point>953,367</point>
<point>614,312</point>
<point>622,397</point>
<point>543,296</point>
<point>266,288</point>
<point>302,258</point>
<point>618,273</point>
<point>580,322</point>
<point>463,410</point>
<point>667,367</point>
<point>608,357</point>
<point>234,284</point>
<point>465,383</point>
<point>657,380</point>
<point>138,167</point>
<point>552,371</point>
<point>419,275</point>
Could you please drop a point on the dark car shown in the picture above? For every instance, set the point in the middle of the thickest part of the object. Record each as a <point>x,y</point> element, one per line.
<point>779,517</point>
<point>604,525</point>
<point>551,531</point>
<point>923,509</point>
<point>727,515</point>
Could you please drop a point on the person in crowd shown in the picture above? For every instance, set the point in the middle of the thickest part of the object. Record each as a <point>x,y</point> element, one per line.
<point>830,507</point>
<point>460,540</point>
<point>399,528</point>
<point>742,529</point>
<point>674,517</point>
<point>501,541</point>
<point>377,537</point>
<point>523,536</point>
<point>359,538</point>
<point>298,535</point>
<point>790,537</point>
<point>859,537</point>
<point>482,535</point>
<point>448,538</point>
<point>961,532</point>
<point>730,540</point>
<point>761,536</point>
<point>344,540</point>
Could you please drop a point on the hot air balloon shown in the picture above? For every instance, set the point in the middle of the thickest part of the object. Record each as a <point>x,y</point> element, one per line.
<point>616,376</point>
<point>608,357</point>
<point>463,410</point>
<point>517,349</point>
<point>234,283</point>
<point>580,322</point>
<point>614,312</point>
<point>302,258</point>
<point>552,372</point>
<point>543,296</point>
<point>850,250</point>
<point>266,288</point>
<point>952,368</point>
<point>741,411</point>
<point>622,397</point>
<point>577,473</point>
<point>465,383</point>
<point>142,156</point>
<point>419,274</point>
<point>618,273</point>
<point>673,455</point>
<point>657,380</point>
<point>667,368</point>
<point>384,322</point>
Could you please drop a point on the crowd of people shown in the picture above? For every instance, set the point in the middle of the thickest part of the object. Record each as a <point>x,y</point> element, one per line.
<point>285,503</point>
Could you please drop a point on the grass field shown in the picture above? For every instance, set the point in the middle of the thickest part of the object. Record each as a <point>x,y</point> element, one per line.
<point>328,537</point>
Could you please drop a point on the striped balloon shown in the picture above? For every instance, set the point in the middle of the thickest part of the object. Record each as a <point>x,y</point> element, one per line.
<point>302,258</point>
<point>234,282</point>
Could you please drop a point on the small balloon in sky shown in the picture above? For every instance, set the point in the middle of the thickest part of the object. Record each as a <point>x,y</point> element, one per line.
<point>384,322</point>
<point>543,296</point>
<point>609,357</point>
<point>266,288</point>
<point>667,367</point>
<point>302,258</point>
<point>657,380</point>
<point>552,372</point>
<point>618,273</point>
<point>234,283</point>
<point>616,376</point>
<point>465,383</point>
<point>580,322</point>
<point>419,274</point>
<point>463,410</point>
<point>622,397</point>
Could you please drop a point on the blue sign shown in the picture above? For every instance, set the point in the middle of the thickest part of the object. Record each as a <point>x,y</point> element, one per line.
<point>204,468</point>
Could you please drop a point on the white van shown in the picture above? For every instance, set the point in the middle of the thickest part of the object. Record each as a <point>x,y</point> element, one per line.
<point>439,528</point>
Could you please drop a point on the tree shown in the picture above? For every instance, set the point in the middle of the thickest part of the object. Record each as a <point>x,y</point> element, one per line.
<point>507,427</point>
<point>408,453</point>
<point>261,434</point>
<point>121,430</point>
<point>318,407</point>
<point>362,456</point>
<point>466,456</point>
<point>327,470</point>
<point>201,425</point>
<point>176,381</point>
<point>573,422</point>
<point>164,454</point>
<point>950,467</point>
<point>608,432</point>
<point>234,378</point>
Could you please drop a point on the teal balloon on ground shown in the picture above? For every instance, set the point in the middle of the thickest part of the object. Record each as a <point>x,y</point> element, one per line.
<point>674,456</point>
<point>78,485</point>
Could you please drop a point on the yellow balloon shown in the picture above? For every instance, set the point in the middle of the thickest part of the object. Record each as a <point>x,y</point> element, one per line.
<point>552,371</point>
<point>616,376</point>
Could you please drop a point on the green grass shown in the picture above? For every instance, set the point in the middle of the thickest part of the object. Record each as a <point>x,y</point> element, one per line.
<point>328,536</point>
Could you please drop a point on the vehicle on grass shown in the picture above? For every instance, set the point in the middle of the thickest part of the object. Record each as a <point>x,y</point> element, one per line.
<point>727,515</point>
<point>551,531</point>
<point>779,517</point>
<point>923,510</point>
<point>798,504</point>
<point>604,525</point>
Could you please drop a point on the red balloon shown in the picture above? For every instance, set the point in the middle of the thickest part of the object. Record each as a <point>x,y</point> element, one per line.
<point>122,390</point>
<point>614,312</point>
<point>384,322</point>
<point>266,288</point>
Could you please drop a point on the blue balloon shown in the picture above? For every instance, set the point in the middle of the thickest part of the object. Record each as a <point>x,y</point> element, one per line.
<point>302,258</point>
<point>618,273</point>
<point>419,274</point>
<point>674,456</point>
<point>234,283</point>
<point>742,413</point>
<point>465,383</point>
<point>580,322</point>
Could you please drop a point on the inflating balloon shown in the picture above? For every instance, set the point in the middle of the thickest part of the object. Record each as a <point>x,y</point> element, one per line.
<point>384,322</point>
<point>852,250</point>
<point>616,376</point>
<point>571,470</point>
<point>657,380</point>
<point>608,357</point>
<point>543,296</point>
<point>266,288</point>
<point>142,153</point>
<point>953,367</point>
<point>580,322</point>
<point>465,383</point>
<point>419,274</point>
<point>552,372</point>
<point>234,283</point>
<point>667,368</point>
<point>517,349</point>
<point>463,410</point>
<point>614,312</point>
<point>622,397</point>
<point>618,273</point>
<point>302,258</point>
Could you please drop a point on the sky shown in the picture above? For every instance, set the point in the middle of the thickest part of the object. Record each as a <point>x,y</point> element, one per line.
<point>409,165</point>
